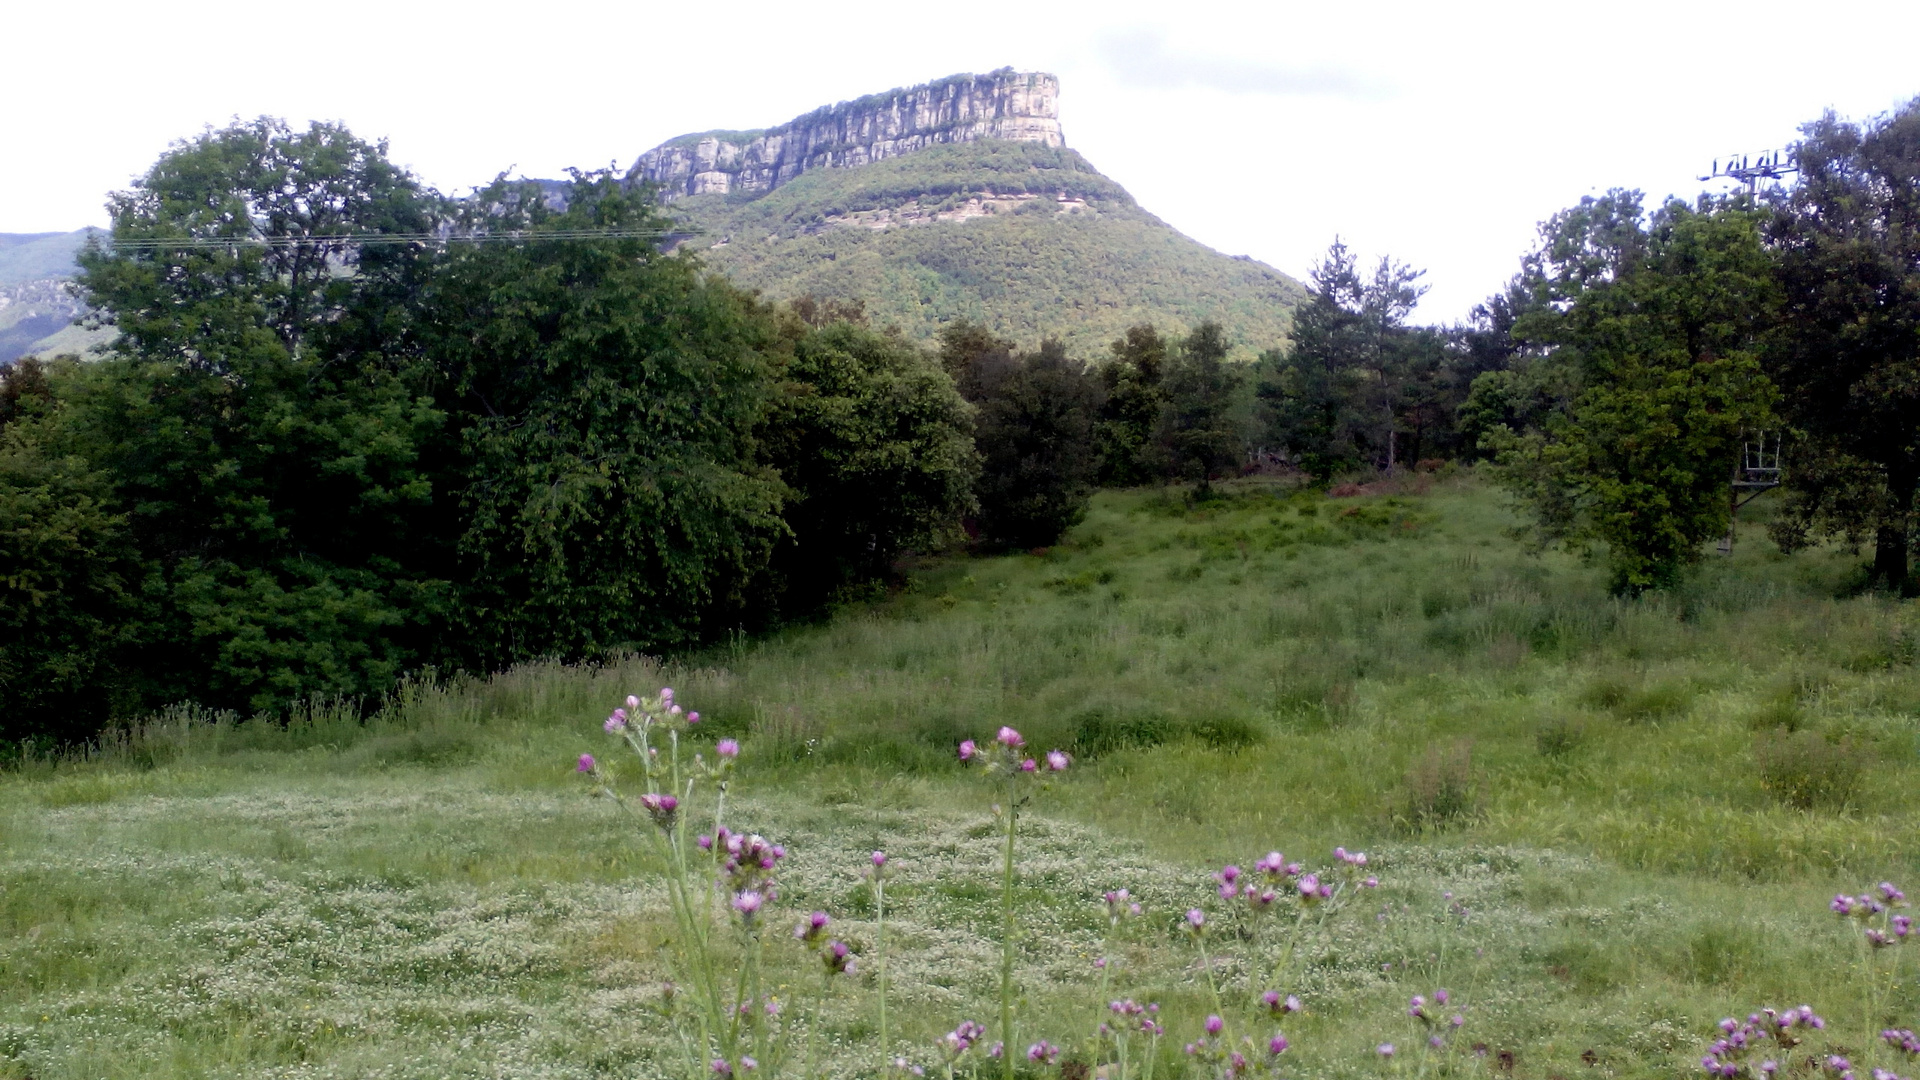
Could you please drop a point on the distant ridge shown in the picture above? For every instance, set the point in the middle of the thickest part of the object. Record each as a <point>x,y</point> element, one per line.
<point>37,312</point>
<point>958,199</point>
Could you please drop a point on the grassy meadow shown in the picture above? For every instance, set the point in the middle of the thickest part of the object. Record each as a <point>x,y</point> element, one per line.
<point>1603,824</point>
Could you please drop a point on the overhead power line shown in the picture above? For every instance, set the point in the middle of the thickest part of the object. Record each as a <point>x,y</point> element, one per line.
<point>159,243</point>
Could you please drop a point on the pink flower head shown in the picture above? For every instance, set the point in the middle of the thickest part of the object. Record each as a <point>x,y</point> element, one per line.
<point>1272,1000</point>
<point>721,1068</point>
<point>1277,1045</point>
<point>1292,1004</point>
<point>1029,765</point>
<point>1273,863</point>
<point>633,702</point>
<point>727,748</point>
<point>1228,874</point>
<point>1196,918</point>
<point>673,710</point>
<point>1370,883</point>
<point>616,721</point>
<point>1458,1020</point>
<point>1385,1050</point>
<point>1890,894</point>
<point>1057,761</point>
<point>586,763</point>
<point>747,1064</point>
<point>1214,1024</point>
<point>747,903</point>
<point>1043,1052</point>
<point>967,750</point>
<point>1340,853</point>
<point>1902,925</point>
<point>1310,885</point>
<point>693,718</point>
<point>1440,996</point>
<point>1010,739</point>
<point>879,859</point>
<point>666,693</point>
<point>1436,1041</point>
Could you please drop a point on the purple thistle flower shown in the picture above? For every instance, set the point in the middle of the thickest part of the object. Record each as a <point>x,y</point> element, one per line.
<point>666,693</point>
<point>1196,918</point>
<point>1277,1045</point>
<point>1385,1050</point>
<point>1440,996</point>
<point>1436,1041</point>
<point>1029,765</point>
<point>1272,863</point>
<point>1891,894</point>
<point>1010,739</point>
<point>748,902</point>
<point>1057,761</point>
<point>967,750</point>
<point>1043,1052</point>
<point>693,718</point>
<point>747,1064</point>
<point>1272,1000</point>
<point>1292,1004</point>
<point>727,749</point>
<point>617,721</point>
<point>879,859</point>
<point>1842,904</point>
<point>633,702</point>
<point>1310,885</point>
<point>1214,1024</point>
<point>1370,883</point>
<point>586,764</point>
<point>721,1068</point>
<point>1458,1020</point>
<point>1902,926</point>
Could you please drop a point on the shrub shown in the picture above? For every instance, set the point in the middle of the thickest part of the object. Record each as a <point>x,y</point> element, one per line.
<point>1559,737</point>
<point>1803,769</point>
<point>1440,786</point>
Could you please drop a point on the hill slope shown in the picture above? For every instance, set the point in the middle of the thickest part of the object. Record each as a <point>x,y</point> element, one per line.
<point>1027,239</point>
<point>37,313</point>
<point>957,199</point>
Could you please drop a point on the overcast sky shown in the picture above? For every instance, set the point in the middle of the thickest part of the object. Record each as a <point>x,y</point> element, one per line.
<point>1439,133</point>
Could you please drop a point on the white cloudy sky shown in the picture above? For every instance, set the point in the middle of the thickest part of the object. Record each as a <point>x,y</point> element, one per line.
<point>1437,132</point>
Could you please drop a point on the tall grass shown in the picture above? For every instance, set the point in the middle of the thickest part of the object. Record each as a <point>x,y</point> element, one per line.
<point>1622,795</point>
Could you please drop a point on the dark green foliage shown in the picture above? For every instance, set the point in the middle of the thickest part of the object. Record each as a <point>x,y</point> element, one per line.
<point>69,581</point>
<point>1200,437</point>
<point>606,398</point>
<point>1847,355</point>
<point>264,419</point>
<point>1359,385</point>
<point>876,445</point>
<point>1083,270</point>
<point>1135,396</point>
<point>1034,432</point>
<point>1657,322</point>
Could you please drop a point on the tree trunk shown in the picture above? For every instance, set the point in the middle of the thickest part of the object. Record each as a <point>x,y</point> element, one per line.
<point>1894,539</point>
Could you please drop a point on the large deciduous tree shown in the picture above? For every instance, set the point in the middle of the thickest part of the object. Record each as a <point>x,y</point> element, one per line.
<point>1847,357</point>
<point>264,417</point>
<point>1657,322</point>
<point>605,397</point>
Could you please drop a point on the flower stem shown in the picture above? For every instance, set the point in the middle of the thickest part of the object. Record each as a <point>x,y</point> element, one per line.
<point>880,947</point>
<point>1006,943</point>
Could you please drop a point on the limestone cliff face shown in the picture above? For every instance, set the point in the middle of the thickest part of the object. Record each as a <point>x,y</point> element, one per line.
<point>1004,104</point>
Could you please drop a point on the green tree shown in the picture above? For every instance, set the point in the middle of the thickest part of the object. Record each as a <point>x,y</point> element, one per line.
<point>1847,357</point>
<point>605,398</point>
<point>1660,321</point>
<point>264,417</point>
<point>1034,432</point>
<point>1134,398</point>
<point>1356,377</point>
<point>1200,437</point>
<point>877,447</point>
<point>70,583</point>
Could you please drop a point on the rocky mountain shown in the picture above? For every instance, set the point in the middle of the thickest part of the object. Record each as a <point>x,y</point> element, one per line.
<point>956,199</point>
<point>1005,104</point>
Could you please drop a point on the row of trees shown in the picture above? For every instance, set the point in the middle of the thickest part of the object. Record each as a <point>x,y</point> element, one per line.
<point>330,449</point>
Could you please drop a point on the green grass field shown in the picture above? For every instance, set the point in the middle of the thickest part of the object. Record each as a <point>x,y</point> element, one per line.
<point>1603,824</point>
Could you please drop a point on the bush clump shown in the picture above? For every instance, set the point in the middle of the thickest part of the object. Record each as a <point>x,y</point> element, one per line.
<point>1804,769</point>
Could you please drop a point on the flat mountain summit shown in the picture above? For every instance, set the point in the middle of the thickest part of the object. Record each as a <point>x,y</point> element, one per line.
<point>956,199</point>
